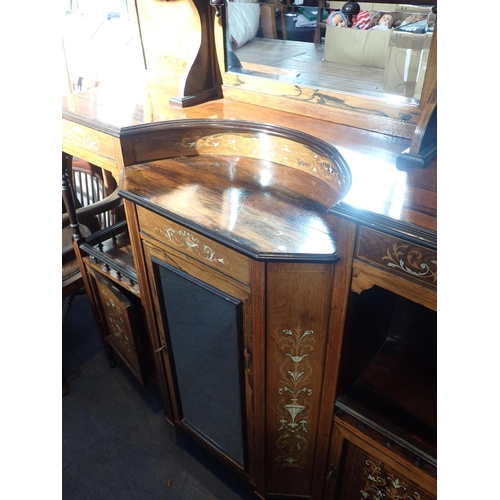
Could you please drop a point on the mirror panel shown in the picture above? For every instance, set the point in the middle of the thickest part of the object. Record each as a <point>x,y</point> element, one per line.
<point>282,51</point>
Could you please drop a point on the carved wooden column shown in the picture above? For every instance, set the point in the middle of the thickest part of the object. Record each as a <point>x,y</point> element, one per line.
<point>201,80</point>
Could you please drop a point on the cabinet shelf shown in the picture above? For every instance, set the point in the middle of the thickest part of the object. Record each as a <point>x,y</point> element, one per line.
<point>396,394</point>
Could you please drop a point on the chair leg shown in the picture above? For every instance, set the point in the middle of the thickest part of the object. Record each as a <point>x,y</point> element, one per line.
<point>67,305</point>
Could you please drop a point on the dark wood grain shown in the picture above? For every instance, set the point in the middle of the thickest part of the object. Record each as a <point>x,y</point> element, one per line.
<point>371,157</point>
<point>259,222</point>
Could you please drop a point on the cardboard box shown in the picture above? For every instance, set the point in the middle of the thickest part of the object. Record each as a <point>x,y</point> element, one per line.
<point>406,63</point>
<point>368,48</point>
<point>358,47</point>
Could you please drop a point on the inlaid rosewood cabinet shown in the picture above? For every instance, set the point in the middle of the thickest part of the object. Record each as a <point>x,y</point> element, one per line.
<point>242,271</point>
<point>288,295</point>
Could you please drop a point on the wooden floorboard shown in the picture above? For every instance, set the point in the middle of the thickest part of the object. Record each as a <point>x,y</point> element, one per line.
<point>302,63</point>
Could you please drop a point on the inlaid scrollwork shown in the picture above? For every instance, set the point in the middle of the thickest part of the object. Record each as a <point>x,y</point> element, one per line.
<point>383,484</point>
<point>116,321</point>
<point>410,261</point>
<point>182,238</point>
<point>279,150</point>
<point>84,137</point>
<point>294,409</point>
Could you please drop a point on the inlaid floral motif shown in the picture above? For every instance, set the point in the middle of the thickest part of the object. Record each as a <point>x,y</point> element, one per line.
<point>84,137</point>
<point>383,484</point>
<point>182,238</point>
<point>277,149</point>
<point>294,407</point>
<point>408,260</point>
<point>116,321</point>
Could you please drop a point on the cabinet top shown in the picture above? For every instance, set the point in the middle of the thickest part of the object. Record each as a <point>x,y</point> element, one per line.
<point>265,191</point>
<point>404,202</point>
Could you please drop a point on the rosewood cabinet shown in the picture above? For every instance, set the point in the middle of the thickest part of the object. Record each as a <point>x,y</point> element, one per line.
<point>384,441</point>
<point>241,271</point>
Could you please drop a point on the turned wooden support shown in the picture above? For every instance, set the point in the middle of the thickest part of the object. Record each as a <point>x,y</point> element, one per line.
<point>69,197</point>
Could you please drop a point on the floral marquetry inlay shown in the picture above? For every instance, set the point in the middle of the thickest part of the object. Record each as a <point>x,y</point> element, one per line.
<point>116,321</point>
<point>187,240</point>
<point>380,484</point>
<point>77,135</point>
<point>294,407</point>
<point>407,259</point>
<point>275,149</point>
<point>410,261</point>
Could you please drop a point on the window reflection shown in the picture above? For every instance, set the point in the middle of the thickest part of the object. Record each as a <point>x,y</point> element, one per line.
<point>381,182</point>
<point>101,42</point>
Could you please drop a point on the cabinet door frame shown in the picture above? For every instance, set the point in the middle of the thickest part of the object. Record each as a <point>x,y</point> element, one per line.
<point>206,277</point>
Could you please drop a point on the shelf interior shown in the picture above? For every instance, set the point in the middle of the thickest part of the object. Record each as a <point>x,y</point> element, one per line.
<point>396,393</point>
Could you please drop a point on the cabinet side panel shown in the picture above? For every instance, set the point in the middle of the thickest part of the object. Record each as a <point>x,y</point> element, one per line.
<point>297,330</point>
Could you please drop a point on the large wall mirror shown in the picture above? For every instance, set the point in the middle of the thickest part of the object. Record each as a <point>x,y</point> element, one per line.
<point>372,75</point>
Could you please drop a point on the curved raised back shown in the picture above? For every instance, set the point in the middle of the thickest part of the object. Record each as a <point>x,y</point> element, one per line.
<point>288,161</point>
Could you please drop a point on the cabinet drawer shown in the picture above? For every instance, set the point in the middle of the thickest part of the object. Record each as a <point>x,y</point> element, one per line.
<point>397,256</point>
<point>191,243</point>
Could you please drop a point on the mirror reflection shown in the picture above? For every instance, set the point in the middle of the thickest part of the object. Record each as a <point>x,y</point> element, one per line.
<point>371,49</point>
<point>100,41</point>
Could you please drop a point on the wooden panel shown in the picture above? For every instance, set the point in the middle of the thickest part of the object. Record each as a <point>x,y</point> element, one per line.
<point>147,305</point>
<point>91,145</point>
<point>365,471</point>
<point>119,315</point>
<point>195,245</point>
<point>297,329</point>
<point>397,256</point>
<point>170,52</point>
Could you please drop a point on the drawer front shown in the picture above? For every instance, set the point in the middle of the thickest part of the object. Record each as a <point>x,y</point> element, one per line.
<point>90,145</point>
<point>397,256</point>
<point>191,243</point>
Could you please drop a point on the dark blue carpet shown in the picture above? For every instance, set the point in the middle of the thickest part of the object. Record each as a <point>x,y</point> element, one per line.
<point>116,443</point>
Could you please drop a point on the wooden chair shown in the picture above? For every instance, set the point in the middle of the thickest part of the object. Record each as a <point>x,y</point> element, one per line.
<point>90,203</point>
<point>108,270</point>
<point>98,206</point>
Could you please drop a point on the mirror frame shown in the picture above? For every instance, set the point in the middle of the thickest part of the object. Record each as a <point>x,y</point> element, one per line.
<point>393,117</point>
